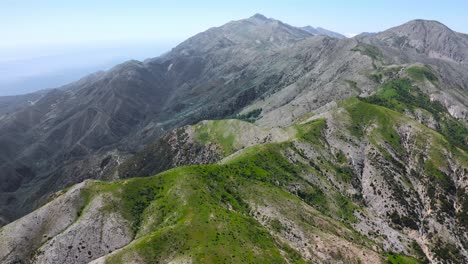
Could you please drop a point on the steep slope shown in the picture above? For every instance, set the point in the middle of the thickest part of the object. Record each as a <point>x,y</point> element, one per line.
<point>205,143</point>
<point>371,180</point>
<point>429,37</point>
<point>269,71</point>
<point>435,45</point>
<point>62,131</point>
<point>84,129</point>
<point>349,68</point>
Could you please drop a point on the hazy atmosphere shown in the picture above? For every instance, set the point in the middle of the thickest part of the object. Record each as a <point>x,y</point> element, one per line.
<point>237,132</point>
<point>46,44</point>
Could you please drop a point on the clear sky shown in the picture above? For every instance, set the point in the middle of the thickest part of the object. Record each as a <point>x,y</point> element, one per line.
<point>26,23</point>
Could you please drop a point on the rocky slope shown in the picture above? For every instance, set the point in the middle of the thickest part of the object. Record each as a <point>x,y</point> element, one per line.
<point>354,67</point>
<point>431,38</point>
<point>367,178</point>
<point>68,133</point>
<point>85,129</point>
<point>382,174</point>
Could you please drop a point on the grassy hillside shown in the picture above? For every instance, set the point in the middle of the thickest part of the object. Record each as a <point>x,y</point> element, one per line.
<point>350,187</point>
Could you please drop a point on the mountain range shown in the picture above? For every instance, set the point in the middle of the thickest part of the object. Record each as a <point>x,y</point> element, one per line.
<point>253,142</point>
<point>324,32</point>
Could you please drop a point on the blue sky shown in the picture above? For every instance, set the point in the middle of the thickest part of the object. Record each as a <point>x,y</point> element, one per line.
<point>25,23</point>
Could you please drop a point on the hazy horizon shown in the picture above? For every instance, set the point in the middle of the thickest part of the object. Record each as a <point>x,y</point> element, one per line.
<point>51,43</point>
<point>52,68</point>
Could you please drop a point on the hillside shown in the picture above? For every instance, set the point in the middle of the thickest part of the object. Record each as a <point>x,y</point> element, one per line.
<point>85,129</point>
<point>359,175</point>
<point>253,142</point>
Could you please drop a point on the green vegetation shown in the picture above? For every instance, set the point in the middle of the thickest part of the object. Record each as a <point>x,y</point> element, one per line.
<point>401,95</point>
<point>314,196</point>
<point>195,212</point>
<point>312,131</point>
<point>401,259</point>
<point>384,72</point>
<point>341,157</point>
<point>368,50</point>
<point>276,225</point>
<point>344,173</point>
<point>442,179</point>
<point>205,213</point>
<point>420,73</point>
<point>365,115</point>
<point>346,208</point>
<point>447,252</point>
<point>403,221</point>
<point>251,116</point>
<point>86,195</point>
<point>454,131</point>
<point>216,132</point>
<point>200,212</point>
<point>136,199</point>
<point>418,252</point>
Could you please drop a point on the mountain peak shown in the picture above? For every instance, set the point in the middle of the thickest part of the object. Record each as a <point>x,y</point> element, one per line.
<point>414,21</point>
<point>428,25</point>
<point>419,28</point>
<point>259,16</point>
<point>429,37</point>
<point>254,31</point>
<point>260,19</point>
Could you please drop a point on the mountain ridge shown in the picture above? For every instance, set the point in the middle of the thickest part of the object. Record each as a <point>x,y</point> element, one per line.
<point>430,37</point>
<point>143,118</point>
<point>184,70</point>
<point>300,148</point>
<point>323,31</point>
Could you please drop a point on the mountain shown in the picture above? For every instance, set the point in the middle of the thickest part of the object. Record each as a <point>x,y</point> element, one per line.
<point>353,176</point>
<point>430,38</point>
<point>9,104</point>
<point>85,128</point>
<point>323,32</point>
<point>355,142</point>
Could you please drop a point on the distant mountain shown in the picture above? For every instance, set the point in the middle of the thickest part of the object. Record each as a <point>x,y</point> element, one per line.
<point>357,152</point>
<point>323,32</point>
<point>429,37</point>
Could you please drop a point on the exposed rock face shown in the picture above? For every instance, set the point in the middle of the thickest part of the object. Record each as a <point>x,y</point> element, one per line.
<point>199,144</point>
<point>115,124</point>
<point>20,240</point>
<point>176,148</point>
<point>430,38</point>
<point>340,70</point>
<point>66,230</point>
<point>94,234</point>
<point>343,181</point>
<point>114,113</point>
